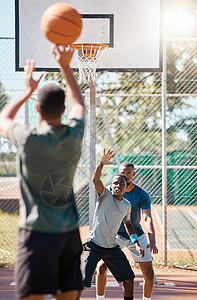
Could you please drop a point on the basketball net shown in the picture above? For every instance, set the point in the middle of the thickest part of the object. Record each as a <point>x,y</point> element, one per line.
<point>87,55</point>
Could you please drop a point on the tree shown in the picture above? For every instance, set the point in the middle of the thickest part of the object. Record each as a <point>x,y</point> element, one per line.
<point>3,97</point>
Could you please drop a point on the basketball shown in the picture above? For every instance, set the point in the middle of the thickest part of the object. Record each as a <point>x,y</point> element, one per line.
<point>61,24</point>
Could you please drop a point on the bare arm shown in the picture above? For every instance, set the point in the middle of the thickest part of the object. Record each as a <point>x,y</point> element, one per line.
<point>105,160</point>
<point>9,112</point>
<point>130,231</point>
<point>72,89</point>
<point>99,187</point>
<point>148,221</point>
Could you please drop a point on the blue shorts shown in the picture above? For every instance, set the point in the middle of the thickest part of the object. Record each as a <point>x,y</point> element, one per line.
<point>114,258</point>
<point>48,263</point>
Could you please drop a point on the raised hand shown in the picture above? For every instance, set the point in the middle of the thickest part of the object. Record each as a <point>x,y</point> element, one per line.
<point>30,83</point>
<point>105,159</point>
<point>63,54</point>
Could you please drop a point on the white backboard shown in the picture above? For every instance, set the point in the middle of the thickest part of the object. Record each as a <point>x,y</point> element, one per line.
<point>131,28</point>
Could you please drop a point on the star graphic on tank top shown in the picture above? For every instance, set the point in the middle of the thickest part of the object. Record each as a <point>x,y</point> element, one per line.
<point>54,190</point>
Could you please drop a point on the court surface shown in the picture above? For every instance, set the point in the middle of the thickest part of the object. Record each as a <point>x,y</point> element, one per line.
<point>172,284</point>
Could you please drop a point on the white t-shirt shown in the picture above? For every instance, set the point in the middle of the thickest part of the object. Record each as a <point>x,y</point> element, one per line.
<point>108,215</point>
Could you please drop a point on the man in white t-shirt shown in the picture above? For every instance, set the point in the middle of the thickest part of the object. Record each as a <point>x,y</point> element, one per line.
<point>111,209</point>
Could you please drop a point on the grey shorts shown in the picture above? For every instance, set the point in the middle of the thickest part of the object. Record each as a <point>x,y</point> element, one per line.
<point>123,242</point>
<point>114,258</point>
<point>48,263</point>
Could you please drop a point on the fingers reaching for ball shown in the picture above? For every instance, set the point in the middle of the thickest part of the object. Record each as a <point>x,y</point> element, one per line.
<point>63,54</point>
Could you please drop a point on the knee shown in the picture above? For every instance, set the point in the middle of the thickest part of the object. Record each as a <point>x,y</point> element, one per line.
<point>102,270</point>
<point>128,283</point>
<point>149,275</point>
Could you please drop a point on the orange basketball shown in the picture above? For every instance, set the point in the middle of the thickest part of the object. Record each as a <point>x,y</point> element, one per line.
<point>61,24</point>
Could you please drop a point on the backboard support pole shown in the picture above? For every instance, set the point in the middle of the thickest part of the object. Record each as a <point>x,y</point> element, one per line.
<point>92,147</point>
<point>164,160</point>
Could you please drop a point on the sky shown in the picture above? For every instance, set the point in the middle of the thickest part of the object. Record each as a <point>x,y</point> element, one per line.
<point>12,81</point>
<point>7,18</point>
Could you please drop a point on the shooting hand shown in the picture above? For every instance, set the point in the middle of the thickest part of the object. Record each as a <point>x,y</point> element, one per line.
<point>64,55</point>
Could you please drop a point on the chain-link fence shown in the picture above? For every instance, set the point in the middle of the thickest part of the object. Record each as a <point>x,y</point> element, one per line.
<point>129,117</point>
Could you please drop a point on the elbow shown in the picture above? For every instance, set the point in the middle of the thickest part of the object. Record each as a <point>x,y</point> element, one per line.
<point>94,180</point>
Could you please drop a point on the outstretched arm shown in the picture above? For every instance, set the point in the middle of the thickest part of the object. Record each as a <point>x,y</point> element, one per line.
<point>105,160</point>
<point>148,221</point>
<point>9,112</point>
<point>131,231</point>
<point>73,92</point>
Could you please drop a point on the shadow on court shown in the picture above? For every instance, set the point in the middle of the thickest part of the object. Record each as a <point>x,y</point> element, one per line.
<point>171,285</point>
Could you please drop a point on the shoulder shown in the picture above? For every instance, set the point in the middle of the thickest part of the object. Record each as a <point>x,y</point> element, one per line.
<point>106,193</point>
<point>76,124</point>
<point>141,191</point>
<point>18,134</point>
<point>108,187</point>
<point>144,198</point>
<point>14,126</point>
<point>126,202</point>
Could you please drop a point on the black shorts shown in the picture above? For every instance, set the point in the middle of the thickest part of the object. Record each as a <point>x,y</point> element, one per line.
<point>48,263</point>
<point>114,258</point>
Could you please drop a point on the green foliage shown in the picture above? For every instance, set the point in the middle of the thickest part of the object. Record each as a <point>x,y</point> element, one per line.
<point>3,97</point>
<point>135,119</point>
<point>8,164</point>
<point>58,78</point>
<point>8,237</point>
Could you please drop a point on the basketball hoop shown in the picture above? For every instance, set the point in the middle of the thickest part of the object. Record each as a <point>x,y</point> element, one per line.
<point>87,55</point>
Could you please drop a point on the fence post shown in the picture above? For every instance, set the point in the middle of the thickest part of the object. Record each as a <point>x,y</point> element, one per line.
<point>26,112</point>
<point>92,146</point>
<point>164,157</point>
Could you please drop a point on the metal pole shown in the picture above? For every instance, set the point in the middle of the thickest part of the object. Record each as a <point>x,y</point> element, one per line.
<point>92,147</point>
<point>108,132</point>
<point>164,158</point>
<point>26,112</point>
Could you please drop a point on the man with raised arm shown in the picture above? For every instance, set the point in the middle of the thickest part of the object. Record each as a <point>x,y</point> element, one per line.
<point>141,205</point>
<point>49,245</point>
<point>111,209</point>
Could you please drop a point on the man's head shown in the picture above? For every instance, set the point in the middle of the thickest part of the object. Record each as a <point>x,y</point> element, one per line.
<point>127,169</point>
<point>51,99</point>
<point>119,185</point>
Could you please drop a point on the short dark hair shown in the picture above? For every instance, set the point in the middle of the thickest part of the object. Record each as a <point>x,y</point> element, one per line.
<point>127,164</point>
<point>51,99</point>
<point>119,175</point>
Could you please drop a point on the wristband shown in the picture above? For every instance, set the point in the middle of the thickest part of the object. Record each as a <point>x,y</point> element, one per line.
<point>134,238</point>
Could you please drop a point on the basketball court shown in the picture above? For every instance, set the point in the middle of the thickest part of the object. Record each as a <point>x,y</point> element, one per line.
<point>171,284</point>
<point>132,44</point>
<point>182,219</point>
